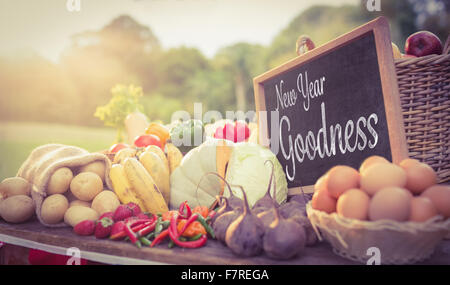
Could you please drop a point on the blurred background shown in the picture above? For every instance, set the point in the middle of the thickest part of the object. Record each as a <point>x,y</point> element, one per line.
<point>58,65</point>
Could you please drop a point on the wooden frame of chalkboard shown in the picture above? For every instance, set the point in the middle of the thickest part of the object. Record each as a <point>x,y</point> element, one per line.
<point>355,68</point>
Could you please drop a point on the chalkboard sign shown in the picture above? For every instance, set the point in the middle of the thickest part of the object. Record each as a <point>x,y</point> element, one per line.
<point>335,105</point>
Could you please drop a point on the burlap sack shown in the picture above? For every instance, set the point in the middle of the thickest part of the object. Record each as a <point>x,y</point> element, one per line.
<point>45,160</point>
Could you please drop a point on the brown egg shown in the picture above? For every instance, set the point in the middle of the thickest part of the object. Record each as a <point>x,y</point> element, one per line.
<point>419,176</point>
<point>390,203</point>
<point>372,160</point>
<point>354,203</point>
<point>340,179</point>
<point>422,209</point>
<point>322,201</point>
<point>440,196</point>
<point>381,175</point>
<point>321,183</point>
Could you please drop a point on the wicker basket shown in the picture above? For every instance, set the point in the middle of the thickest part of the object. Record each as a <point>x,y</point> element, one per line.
<point>424,85</point>
<point>397,242</point>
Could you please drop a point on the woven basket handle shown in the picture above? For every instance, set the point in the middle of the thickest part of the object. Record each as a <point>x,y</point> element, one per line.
<point>447,46</point>
<point>304,44</point>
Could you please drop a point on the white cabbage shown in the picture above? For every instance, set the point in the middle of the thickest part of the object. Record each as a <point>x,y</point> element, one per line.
<point>248,169</point>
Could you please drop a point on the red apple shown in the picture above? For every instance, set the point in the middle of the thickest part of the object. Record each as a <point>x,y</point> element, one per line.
<point>118,146</point>
<point>146,140</point>
<point>423,43</point>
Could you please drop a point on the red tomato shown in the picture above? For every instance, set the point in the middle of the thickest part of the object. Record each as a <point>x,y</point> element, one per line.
<point>236,132</point>
<point>229,132</point>
<point>219,133</point>
<point>146,140</point>
<point>118,146</point>
<point>241,131</point>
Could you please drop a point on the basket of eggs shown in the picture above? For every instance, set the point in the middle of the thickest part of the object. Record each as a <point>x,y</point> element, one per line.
<point>397,209</point>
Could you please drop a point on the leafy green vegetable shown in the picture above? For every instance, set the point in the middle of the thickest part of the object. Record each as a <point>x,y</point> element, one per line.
<point>125,100</point>
<point>247,168</point>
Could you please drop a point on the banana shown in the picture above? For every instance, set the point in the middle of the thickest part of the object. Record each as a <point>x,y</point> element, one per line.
<point>158,171</point>
<point>157,150</point>
<point>124,153</point>
<point>122,186</point>
<point>144,186</point>
<point>174,156</point>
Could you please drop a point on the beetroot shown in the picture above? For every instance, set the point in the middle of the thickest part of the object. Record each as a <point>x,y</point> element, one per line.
<point>222,223</point>
<point>223,208</point>
<point>267,200</point>
<point>284,238</point>
<point>245,234</point>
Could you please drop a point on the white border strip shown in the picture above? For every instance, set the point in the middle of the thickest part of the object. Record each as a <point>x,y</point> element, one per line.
<point>94,256</point>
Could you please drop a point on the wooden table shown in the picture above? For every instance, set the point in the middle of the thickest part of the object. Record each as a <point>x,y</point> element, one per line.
<point>58,240</point>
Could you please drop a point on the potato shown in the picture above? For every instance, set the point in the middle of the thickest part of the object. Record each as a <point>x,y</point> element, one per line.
<point>76,214</point>
<point>14,186</point>
<point>105,201</point>
<point>60,181</point>
<point>17,209</point>
<point>97,167</point>
<point>79,203</point>
<point>53,208</point>
<point>86,185</point>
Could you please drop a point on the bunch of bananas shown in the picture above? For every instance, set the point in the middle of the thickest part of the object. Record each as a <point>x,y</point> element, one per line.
<point>142,176</point>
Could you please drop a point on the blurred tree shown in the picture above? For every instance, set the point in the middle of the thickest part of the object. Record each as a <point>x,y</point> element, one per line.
<point>127,52</point>
<point>174,69</point>
<point>212,87</point>
<point>158,107</point>
<point>409,16</point>
<point>243,61</point>
<point>124,51</point>
<point>434,16</point>
<point>35,89</point>
<point>320,23</point>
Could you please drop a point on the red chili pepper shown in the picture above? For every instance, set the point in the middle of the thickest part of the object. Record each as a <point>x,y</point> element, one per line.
<point>188,210</point>
<point>173,225</point>
<point>187,244</point>
<point>131,235</point>
<point>133,223</point>
<point>160,237</point>
<point>174,235</point>
<point>191,219</point>
<point>135,228</point>
<point>146,230</point>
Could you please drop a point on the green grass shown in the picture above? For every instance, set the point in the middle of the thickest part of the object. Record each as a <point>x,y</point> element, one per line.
<point>17,140</point>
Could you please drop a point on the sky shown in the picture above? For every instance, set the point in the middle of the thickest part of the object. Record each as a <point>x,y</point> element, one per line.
<point>45,26</point>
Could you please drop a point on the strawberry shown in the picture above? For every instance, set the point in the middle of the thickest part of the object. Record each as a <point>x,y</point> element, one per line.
<point>122,212</point>
<point>126,211</point>
<point>107,214</point>
<point>142,216</point>
<point>84,228</point>
<point>135,208</point>
<point>103,227</point>
<point>117,228</point>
